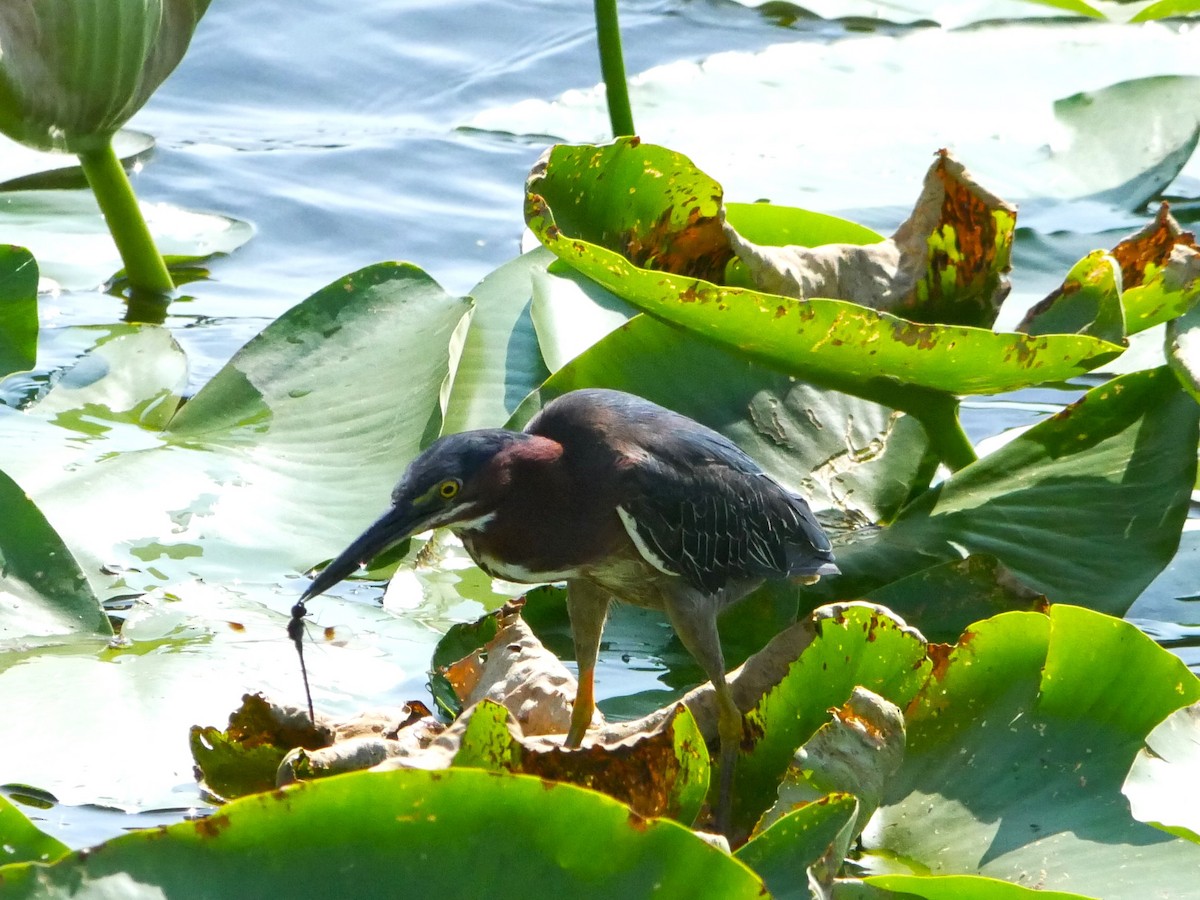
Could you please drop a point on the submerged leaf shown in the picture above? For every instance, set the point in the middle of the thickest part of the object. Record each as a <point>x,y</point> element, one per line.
<point>947,263</point>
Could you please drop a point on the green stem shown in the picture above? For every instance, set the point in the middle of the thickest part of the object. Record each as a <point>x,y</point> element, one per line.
<point>144,265</point>
<point>612,66</point>
<point>946,434</point>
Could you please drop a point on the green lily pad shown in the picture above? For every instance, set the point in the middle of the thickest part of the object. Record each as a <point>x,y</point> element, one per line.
<point>440,831</point>
<point>856,645</point>
<point>960,887</point>
<point>1017,749</point>
<point>783,854</point>
<point>21,841</point>
<point>25,169</point>
<point>857,458</point>
<point>832,343</point>
<point>1162,786</point>
<point>65,231</point>
<point>284,433</point>
<point>18,310</point>
<point>1183,350</point>
<point>1089,302</point>
<point>1085,507</point>
<point>42,590</point>
<point>500,361</point>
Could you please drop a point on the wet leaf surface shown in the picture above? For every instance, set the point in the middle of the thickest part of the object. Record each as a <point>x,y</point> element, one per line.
<point>388,827</point>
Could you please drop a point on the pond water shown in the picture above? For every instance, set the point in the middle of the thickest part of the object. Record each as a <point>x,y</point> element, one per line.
<point>347,136</point>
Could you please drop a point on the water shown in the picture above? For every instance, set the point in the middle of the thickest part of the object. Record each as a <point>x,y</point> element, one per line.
<point>340,136</point>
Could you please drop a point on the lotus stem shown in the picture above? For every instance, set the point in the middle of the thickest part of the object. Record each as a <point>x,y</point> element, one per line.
<point>612,66</point>
<point>144,265</point>
<point>946,434</point>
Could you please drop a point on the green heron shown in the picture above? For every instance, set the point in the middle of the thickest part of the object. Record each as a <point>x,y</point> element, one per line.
<point>620,498</point>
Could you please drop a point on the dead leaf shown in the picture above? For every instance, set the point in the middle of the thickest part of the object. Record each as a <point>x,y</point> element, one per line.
<point>946,264</point>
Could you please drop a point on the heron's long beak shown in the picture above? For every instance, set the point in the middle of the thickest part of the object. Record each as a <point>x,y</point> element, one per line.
<point>393,526</point>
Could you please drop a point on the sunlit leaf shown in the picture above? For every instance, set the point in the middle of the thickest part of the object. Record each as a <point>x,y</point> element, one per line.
<point>783,854</point>
<point>440,831</point>
<point>832,343</point>
<point>946,263</point>
<point>1017,749</point>
<point>1163,785</point>
<point>960,887</point>
<point>284,433</point>
<point>21,841</point>
<point>500,361</point>
<point>859,646</point>
<point>1089,302</point>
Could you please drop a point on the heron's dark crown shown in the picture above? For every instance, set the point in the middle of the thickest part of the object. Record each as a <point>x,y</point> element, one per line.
<point>459,456</point>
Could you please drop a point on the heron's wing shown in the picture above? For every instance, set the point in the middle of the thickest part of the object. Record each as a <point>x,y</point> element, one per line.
<point>713,522</point>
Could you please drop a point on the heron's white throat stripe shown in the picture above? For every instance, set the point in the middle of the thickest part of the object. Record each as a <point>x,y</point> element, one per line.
<point>643,548</point>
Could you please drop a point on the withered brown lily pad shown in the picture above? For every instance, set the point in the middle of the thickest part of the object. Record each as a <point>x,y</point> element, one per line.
<point>945,264</point>
<point>1159,270</point>
<point>244,758</point>
<point>266,744</point>
<point>663,771</point>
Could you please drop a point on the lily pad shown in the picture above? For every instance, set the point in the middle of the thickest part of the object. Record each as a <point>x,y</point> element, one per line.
<point>386,827</point>
<point>1085,507</point>
<point>25,169</point>
<point>65,231</point>
<point>500,361</point>
<point>1017,749</point>
<point>1163,786</point>
<point>18,310</point>
<point>281,434</point>
<point>42,590</point>
<point>784,854</point>
<point>21,841</point>
<point>832,343</point>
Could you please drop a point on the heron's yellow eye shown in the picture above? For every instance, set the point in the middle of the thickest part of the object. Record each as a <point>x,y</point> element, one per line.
<point>447,489</point>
